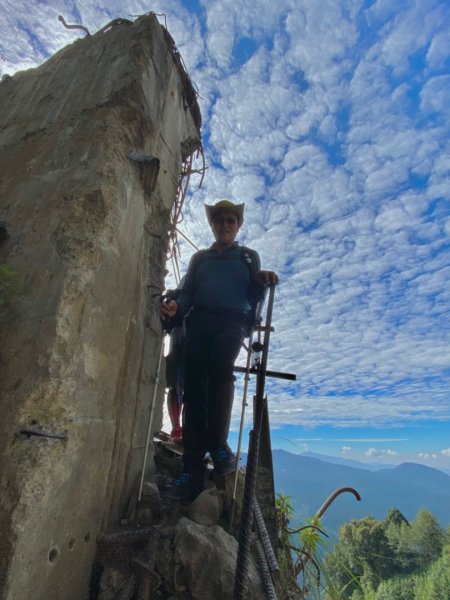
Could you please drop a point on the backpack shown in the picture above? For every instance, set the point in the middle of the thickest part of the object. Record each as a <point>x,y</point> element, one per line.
<point>255,294</point>
<point>250,258</point>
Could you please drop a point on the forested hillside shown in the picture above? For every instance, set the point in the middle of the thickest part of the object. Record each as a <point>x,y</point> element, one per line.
<point>409,487</point>
<point>391,559</point>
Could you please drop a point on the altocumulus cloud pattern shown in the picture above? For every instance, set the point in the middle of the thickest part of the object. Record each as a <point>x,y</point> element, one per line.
<point>330,120</point>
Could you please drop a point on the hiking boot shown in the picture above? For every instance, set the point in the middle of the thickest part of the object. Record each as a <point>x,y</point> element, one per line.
<point>223,459</point>
<point>186,487</point>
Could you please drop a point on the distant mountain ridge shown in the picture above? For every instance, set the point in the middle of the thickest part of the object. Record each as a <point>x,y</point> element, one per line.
<point>357,464</point>
<point>408,487</point>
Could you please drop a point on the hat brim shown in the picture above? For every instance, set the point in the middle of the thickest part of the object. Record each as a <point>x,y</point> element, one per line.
<point>238,210</point>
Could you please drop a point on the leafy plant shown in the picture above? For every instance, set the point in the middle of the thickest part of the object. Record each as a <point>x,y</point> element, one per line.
<point>303,573</point>
<point>288,579</point>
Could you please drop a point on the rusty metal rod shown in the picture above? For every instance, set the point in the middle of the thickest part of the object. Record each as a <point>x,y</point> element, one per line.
<point>130,536</point>
<point>44,434</point>
<point>67,26</point>
<point>333,497</point>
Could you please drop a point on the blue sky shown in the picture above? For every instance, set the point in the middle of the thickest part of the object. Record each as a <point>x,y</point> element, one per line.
<point>330,120</point>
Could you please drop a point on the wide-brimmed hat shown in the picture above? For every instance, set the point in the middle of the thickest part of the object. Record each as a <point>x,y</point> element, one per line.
<point>238,210</point>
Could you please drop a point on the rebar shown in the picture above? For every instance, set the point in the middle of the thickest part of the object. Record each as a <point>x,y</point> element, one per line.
<point>333,497</point>
<point>187,239</point>
<point>242,562</point>
<point>240,582</point>
<point>264,537</point>
<point>67,26</point>
<point>44,434</point>
<point>130,536</point>
<point>264,570</point>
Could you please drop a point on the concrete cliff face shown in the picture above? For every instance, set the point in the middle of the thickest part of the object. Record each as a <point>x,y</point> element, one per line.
<point>79,347</point>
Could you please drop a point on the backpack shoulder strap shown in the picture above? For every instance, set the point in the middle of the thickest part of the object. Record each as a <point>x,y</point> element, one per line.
<point>198,258</point>
<point>250,258</point>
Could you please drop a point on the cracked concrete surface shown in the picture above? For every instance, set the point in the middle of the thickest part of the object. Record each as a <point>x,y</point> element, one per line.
<point>79,347</point>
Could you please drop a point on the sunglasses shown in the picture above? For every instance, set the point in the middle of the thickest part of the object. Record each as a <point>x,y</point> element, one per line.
<point>224,220</point>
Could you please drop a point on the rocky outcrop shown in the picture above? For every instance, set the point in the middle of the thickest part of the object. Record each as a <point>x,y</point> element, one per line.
<point>203,560</point>
<point>85,234</point>
<point>184,552</point>
<point>185,561</point>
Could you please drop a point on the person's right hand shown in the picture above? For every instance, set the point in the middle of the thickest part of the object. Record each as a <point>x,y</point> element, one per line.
<point>266,278</point>
<point>168,309</point>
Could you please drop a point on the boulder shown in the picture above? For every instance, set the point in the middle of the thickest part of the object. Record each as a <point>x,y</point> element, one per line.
<point>205,563</point>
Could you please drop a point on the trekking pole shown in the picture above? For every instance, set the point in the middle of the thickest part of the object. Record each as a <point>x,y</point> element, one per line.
<point>152,412</point>
<point>242,562</point>
<point>244,404</point>
<point>244,401</point>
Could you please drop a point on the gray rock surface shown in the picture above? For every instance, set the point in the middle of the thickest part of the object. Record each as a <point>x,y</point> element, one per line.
<point>205,563</point>
<point>87,234</point>
<point>186,555</point>
<point>116,586</point>
<point>207,508</point>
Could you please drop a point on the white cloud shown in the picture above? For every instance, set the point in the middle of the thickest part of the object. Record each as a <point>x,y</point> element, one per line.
<point>434,95</point>
<point>446,452</point>
<point>439,50</point>
<point>365,440</point>
<point>338,144</point>
<point>346,449</point>
<point>412,30</point>
<point>427,455</point>
<point>371,452</point>
<point>374,453</point>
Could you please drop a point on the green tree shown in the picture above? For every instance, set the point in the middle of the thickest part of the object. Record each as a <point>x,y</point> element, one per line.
<point>363,556</point>
<point>447,538</point>
<point>337,567</point>
<point>427,536</point>
<point>368,548</point>
<point>440,579</point>
<point>395,517</point>
<point>435,583</point>
<point>399,588</point>
<point>398,533</point>
<point>392,559</point>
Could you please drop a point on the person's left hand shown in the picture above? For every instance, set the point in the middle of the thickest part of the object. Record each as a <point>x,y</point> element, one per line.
<point>266,278</point>
<point>168,309</point>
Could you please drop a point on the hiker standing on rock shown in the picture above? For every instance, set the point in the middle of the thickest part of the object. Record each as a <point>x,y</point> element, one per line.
<point>222,287</point>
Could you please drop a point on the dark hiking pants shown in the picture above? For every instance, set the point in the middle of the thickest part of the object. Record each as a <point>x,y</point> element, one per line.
<point>213,342</point>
